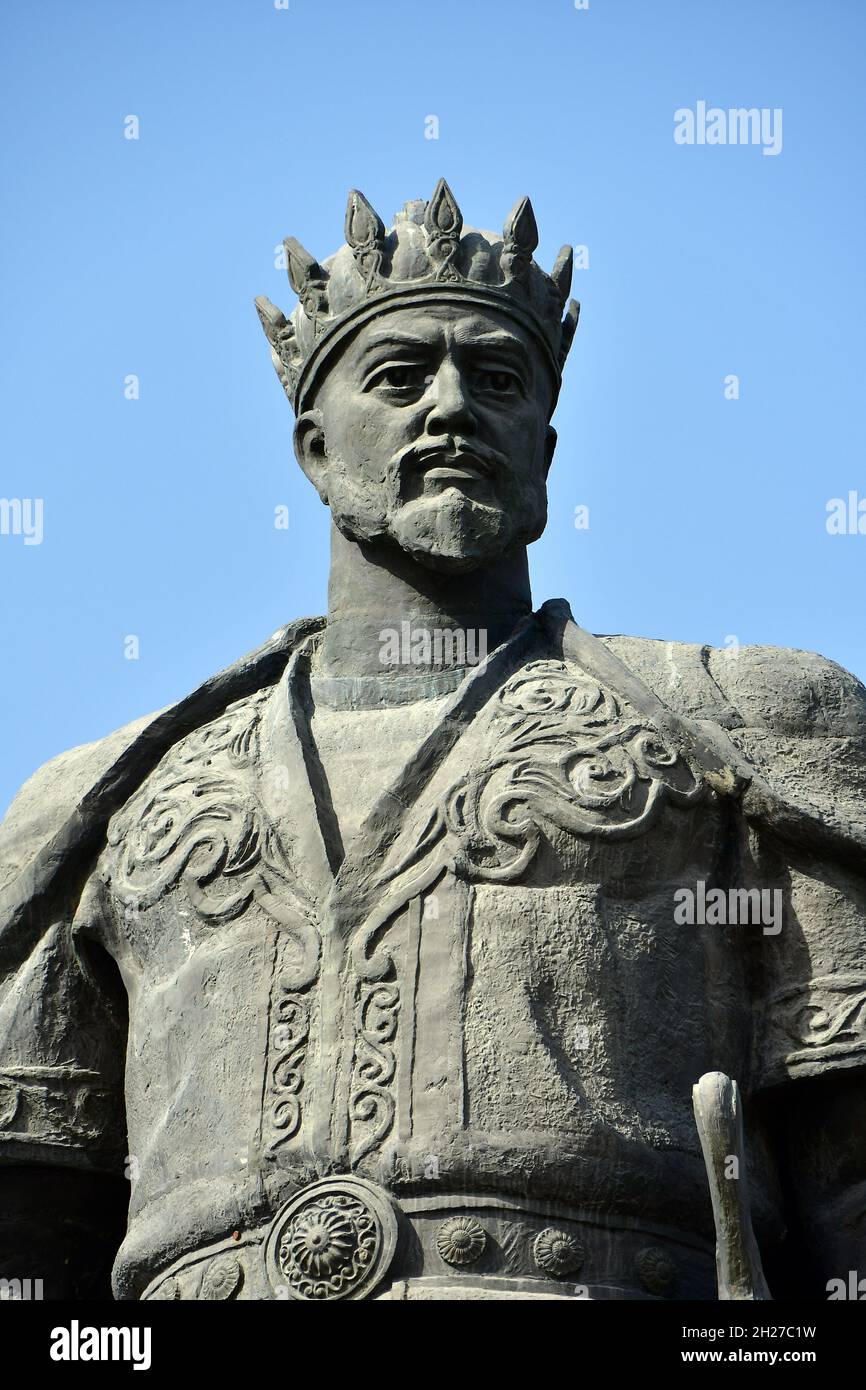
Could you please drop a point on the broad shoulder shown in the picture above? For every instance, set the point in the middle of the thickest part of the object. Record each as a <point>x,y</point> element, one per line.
<point>85,785</point>
<point>52,793</point>
<point>777,689</point>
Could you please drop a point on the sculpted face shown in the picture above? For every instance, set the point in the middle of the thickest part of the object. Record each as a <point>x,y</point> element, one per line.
<point>431,431</point>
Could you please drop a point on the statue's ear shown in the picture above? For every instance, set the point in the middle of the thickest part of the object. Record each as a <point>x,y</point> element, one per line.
<point>549,448</point>
<point>310,450</point>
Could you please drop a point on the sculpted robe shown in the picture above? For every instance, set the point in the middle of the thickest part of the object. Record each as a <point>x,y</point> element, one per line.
<point>449,1054</point>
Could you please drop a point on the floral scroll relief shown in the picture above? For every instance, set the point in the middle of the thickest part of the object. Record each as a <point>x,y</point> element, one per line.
<point>371,1103</point>
<point>562,753</point>
<point>822,1018</point>
<point>289,1036</point>
<point>198,822</point>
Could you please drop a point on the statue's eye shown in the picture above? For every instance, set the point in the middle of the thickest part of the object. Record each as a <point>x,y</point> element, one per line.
<point>400,377</point>
<point>397,376</point>
<point>498,381</point>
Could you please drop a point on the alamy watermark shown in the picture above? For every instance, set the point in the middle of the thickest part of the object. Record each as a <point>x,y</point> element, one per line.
<point>846,516</point>
<point>22,516</point>
<point>77,1343</point>
<point>423,646</point>
<point>732,907</point>
<point>21,1290</point>
<point>736,125</point>
<point>852,1289</point>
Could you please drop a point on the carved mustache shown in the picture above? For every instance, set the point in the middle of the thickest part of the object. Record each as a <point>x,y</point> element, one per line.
<point>451,450</point>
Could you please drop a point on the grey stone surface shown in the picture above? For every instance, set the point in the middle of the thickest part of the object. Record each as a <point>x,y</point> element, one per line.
<point>364,971</point>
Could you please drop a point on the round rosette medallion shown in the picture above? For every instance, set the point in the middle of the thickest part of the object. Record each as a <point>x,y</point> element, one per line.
<point>334,1239</point>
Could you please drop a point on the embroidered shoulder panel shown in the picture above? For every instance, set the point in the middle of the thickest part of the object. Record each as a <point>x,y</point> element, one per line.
<point>198,823</point>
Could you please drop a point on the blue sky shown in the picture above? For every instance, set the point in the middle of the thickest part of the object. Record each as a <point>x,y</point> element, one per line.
<point>707,515</point>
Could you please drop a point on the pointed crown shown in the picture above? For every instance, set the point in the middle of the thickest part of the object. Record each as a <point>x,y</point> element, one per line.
<point>426,255</point>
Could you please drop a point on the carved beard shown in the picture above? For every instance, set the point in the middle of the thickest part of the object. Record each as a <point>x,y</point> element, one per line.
<point>446,531</point>
<point>452,532</point>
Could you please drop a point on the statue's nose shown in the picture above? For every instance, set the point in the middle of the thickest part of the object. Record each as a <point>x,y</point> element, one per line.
<point>451,405</point>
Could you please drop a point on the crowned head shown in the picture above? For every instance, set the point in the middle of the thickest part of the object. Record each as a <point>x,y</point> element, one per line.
<point>423,364</point>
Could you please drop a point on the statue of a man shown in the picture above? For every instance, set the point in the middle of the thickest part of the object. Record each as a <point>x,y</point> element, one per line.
<point>384,965</point>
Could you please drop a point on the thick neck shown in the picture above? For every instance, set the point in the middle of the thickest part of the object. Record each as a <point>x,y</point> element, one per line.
<point>375,588</point>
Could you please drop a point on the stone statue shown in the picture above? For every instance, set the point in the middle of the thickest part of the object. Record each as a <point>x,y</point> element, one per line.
<point>384,965</point>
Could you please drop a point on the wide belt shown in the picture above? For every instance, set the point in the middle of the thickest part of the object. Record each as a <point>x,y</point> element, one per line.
<point>347,1238</point>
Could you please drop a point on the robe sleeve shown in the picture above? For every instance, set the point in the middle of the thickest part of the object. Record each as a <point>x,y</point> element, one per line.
<point>62,1008</point>
<point>802,731</point>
